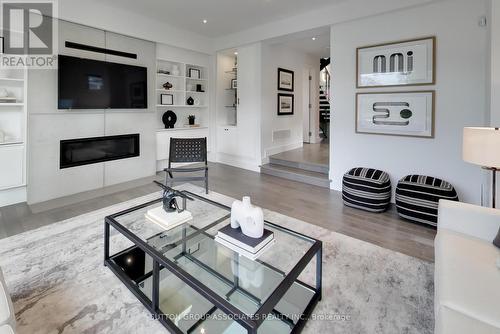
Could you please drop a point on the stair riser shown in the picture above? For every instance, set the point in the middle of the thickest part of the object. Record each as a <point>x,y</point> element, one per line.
<point>300,165</point>
<point>296,177</point>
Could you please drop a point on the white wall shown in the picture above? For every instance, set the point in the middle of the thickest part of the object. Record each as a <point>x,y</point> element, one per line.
<point>274,56</point>
<point>494,24</point>
<point>460,94</point>
<point>48,125</point>
<point>94,13</point>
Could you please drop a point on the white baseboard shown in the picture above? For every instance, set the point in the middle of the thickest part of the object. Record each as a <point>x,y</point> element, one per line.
<point>12,196</point>
<point>238,162</point>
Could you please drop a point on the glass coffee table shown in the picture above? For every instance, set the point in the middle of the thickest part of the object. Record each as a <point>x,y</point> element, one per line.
<point>192,284</point>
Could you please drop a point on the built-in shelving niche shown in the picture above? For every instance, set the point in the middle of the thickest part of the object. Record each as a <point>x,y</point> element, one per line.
<point>187,80</point>
<point>13,125</point>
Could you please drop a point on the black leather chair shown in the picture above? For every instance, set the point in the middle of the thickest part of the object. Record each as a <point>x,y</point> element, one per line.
<point>187,150</point>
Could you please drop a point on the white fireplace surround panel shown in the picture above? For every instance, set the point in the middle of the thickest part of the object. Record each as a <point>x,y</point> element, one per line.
<point>48,125</point>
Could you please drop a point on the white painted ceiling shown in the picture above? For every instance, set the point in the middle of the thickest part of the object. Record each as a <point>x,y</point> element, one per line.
<point>224,16</point>
<point>303,42</point>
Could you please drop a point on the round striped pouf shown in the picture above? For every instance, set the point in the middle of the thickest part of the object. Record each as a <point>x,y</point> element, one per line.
<point>417,197</point>
<point>367,189</point>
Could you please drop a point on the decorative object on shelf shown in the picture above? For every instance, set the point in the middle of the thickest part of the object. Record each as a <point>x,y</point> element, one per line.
<point>400,114</point>
<point>199,88</point>
<point>481,147</point>
<point>234,83</point>
<point>190,101</point>
<point>167,85</point>
<point>166,99</point>
<point>169,118</point>
<point>164,72</point>
<point>191,119</point>
<point>285,80</point>
<point>170,215</point>
<point>196,101</point>
<point>6,96</point>
<point>402,63</point>
<point>194,73</point>
<point>250,218</point>
<point>189,87</point>
<point>418,196</point>
<point>175,70</point>
<point>285,104</point>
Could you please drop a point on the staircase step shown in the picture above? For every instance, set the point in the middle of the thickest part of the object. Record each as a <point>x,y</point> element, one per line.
<point>296,174</point>
<point>303,165</point>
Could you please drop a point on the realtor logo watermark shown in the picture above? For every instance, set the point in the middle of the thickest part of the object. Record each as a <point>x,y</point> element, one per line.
<point>29,34</point>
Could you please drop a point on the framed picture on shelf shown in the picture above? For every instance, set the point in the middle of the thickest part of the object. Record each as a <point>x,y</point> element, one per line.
<point>194,73</point>
<point>285,80</point>
<point>403,63</point>
<point>234,83</point>
<point>167,99</point>
<point>285,104</point>
<point>398,114</point>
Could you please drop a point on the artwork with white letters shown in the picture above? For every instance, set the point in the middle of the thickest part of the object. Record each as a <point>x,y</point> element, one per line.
<point>403,63</point>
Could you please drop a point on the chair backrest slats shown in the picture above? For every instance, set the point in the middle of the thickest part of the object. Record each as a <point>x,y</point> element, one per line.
<point>183,150</point>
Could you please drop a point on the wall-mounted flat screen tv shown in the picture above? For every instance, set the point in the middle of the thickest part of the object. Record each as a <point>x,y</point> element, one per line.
<point>92,84</point>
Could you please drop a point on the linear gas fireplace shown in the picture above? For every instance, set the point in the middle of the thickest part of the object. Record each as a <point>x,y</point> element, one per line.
<point>85,151</point>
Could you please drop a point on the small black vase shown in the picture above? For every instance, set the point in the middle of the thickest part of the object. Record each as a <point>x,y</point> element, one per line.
<point>190,101</point>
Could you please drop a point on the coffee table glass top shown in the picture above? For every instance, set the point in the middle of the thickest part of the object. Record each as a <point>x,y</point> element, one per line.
<point>192,248</point>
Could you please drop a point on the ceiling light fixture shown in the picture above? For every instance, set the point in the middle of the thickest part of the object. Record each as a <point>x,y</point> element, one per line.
<point>205,21</point>
<point>235,53</point>
<point>314,38</point>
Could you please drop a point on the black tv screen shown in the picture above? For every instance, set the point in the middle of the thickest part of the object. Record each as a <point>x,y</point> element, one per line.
<point>93,84</point>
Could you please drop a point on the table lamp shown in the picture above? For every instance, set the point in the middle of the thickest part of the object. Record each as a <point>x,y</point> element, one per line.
<point>481,146</point>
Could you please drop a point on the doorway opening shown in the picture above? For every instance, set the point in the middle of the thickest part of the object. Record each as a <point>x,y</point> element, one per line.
<point>308,163</point>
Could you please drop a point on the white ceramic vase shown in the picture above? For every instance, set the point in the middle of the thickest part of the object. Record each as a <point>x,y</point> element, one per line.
<point>250,218</point>
<point>175,70</point>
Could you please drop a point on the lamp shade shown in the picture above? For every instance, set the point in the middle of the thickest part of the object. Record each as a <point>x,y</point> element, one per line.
<point>481,146</point>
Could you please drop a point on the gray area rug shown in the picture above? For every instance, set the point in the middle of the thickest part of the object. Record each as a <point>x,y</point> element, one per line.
<point>59,285</point>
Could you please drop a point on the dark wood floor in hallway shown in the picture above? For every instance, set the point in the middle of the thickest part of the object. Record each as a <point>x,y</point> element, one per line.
<point>319,206</point>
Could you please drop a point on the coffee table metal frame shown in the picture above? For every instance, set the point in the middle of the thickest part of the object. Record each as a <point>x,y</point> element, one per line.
<point>250,322</point>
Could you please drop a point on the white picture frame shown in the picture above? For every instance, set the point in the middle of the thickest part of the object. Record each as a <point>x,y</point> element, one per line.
<point>404,63</point>
<point>408,114</point>
<point>166,99</point>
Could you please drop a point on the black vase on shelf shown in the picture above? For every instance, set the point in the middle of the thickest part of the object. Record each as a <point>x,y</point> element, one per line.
<point>191,119</point>
<point>190,101</point>
<point>169,118</point>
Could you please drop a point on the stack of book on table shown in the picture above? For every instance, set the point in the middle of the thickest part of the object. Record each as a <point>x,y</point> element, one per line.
<point>167,220</point>
<point>252,248</point>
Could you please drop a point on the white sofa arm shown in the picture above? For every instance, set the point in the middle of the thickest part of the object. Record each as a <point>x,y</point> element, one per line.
<point>472,220</point>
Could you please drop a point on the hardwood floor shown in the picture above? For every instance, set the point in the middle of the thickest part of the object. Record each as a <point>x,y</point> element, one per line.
<point>312,153</point>
<point>319,206</point>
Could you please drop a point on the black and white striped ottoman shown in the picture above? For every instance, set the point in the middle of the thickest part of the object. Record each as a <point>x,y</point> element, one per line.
<point>417,197</point>
<point>367,189</point>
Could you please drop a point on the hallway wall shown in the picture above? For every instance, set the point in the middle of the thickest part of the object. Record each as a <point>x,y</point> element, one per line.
<point>283,133</point>
<point>460,94</point>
